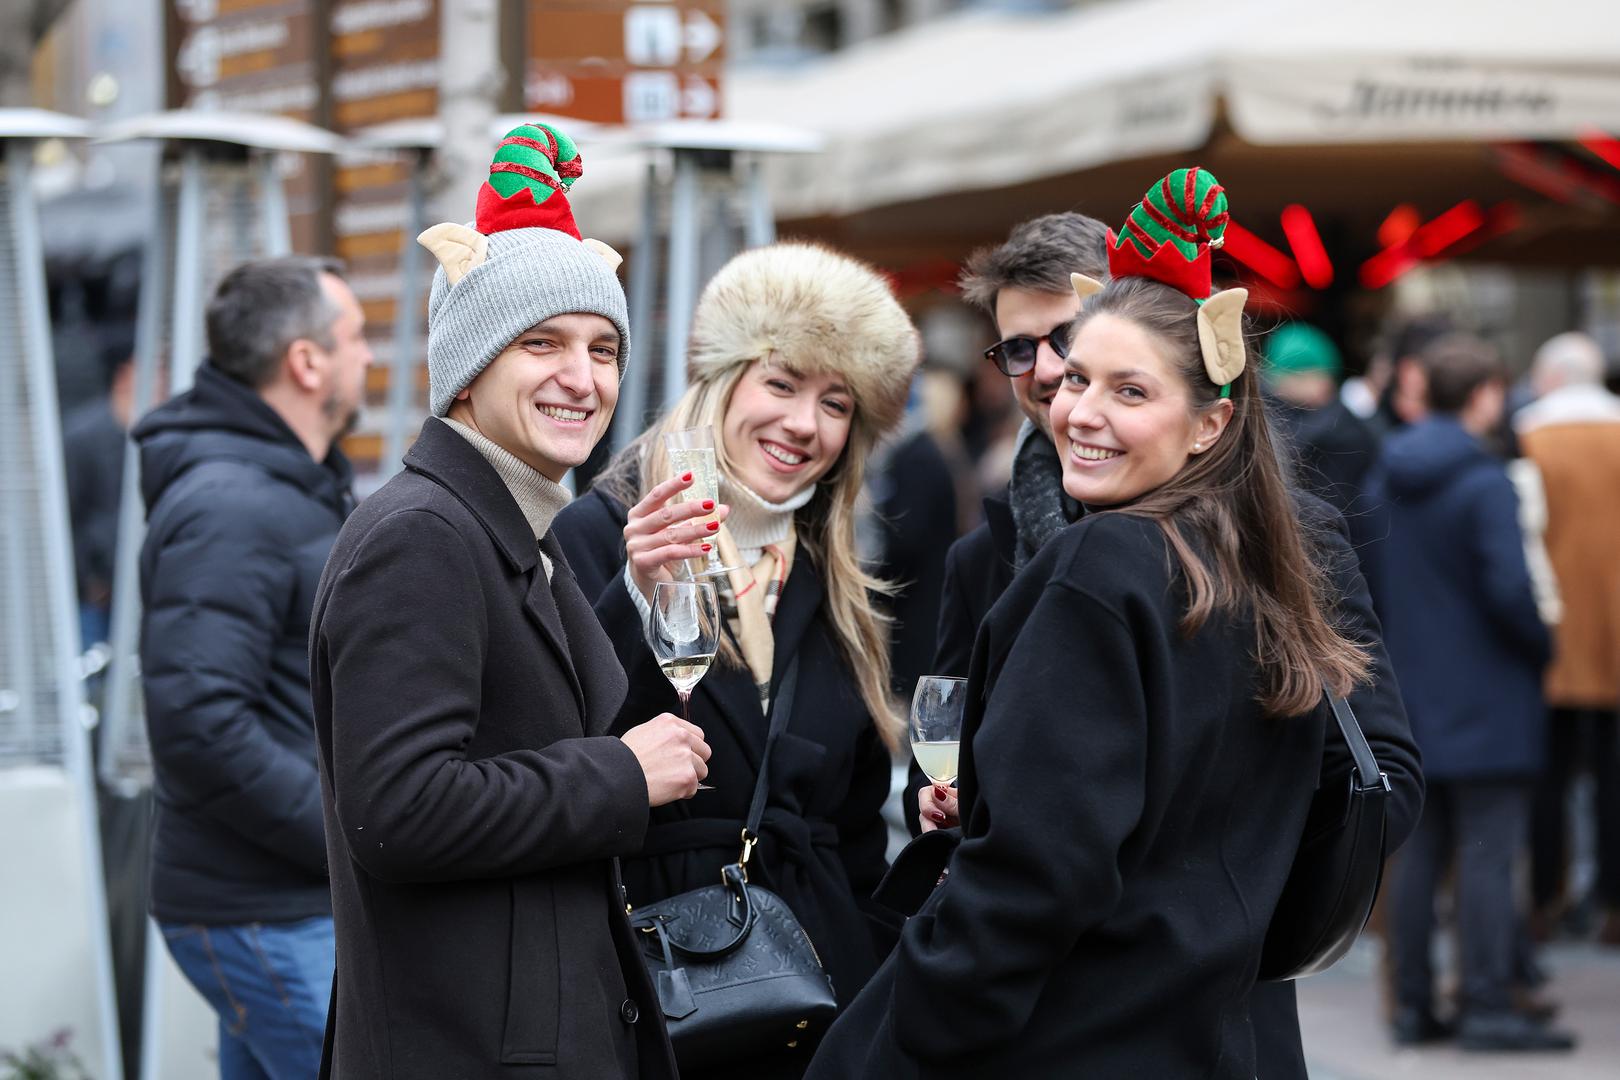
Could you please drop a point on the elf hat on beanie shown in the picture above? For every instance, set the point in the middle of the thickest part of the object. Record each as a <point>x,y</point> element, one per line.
<point>815,310</point>
<point>1168,237</point>
<point>520,263</point>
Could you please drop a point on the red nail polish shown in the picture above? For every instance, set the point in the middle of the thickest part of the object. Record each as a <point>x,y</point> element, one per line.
<point>713,526</point>
<point>686,478</point>
<point>938,815</point>
<point>708,504</point>
<point>708,548</point>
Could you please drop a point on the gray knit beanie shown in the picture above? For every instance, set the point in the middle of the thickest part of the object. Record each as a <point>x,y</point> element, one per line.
<point>522,262</point>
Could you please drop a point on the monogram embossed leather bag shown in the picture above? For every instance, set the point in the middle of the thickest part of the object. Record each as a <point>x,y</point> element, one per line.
<point>736,973</point>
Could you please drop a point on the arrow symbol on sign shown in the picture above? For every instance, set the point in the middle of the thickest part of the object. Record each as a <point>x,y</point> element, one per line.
<point>698,98</point>
<point>702,35</point>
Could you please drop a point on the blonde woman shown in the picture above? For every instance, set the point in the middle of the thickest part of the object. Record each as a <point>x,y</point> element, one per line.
<point>800,359</point>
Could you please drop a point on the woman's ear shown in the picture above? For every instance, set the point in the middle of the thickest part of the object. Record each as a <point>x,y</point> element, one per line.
<point>1211,425</point>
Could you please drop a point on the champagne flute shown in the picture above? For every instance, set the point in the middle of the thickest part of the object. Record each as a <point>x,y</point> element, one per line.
<point>692,450</point>
<point>684,634</point>
<point>936,725</point>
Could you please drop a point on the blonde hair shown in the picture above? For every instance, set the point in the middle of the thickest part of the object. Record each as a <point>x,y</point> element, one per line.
<point>825,529</point>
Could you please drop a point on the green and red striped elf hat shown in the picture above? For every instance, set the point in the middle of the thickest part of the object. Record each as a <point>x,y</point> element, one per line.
<point>533,169</point>
<point>1169,234</point>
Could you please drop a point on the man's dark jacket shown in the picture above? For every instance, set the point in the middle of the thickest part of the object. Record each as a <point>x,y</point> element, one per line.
<point>1459,611</point>
<point>239,522</point>
<point>978,570</point>
<point>474,800</point>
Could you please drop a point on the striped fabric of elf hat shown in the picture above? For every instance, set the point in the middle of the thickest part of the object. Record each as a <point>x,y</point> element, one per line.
<point>533,169</point>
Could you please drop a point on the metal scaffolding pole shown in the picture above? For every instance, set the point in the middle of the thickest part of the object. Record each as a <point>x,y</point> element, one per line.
<point>187,324</point>
<point>684,226</point>
<point>637,389</point>
<point>407,319</point>
<point>273,203</point>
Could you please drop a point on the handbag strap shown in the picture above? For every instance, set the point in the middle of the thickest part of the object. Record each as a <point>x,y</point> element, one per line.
<point>781,711</point>
<point>1368,775</point>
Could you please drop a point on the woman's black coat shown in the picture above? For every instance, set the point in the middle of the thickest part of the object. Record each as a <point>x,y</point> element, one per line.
<point>823,839</point>
<point>474,798</point>
<point>1130,818</point>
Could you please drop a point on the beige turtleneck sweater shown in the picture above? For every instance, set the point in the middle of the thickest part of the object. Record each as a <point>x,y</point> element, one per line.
<point>540,498</point>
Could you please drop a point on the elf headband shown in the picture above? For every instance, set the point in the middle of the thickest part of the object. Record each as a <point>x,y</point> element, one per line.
<point>1168,237</point>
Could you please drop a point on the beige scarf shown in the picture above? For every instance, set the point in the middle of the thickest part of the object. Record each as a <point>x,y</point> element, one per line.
<point>749,596</point>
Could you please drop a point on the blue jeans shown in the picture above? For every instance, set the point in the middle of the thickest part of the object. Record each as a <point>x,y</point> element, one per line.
<point>270,983</point>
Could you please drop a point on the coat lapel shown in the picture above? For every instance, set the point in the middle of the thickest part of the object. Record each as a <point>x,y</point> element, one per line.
<point>599,680</point>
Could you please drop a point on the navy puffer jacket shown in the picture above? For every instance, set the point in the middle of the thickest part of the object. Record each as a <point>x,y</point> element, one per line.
<point>1451,584</point>
<point>240,519</point>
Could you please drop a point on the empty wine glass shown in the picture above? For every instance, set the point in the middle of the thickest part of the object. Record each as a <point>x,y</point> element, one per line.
<point>937,708</point>
<point>692,450</point>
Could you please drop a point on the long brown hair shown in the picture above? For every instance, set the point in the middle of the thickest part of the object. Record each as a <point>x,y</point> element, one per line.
<point>1234,499</point>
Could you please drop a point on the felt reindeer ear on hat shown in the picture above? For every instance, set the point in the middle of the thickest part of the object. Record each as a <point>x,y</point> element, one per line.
<point>534,167</point>
<point>1085,286</point>
<point>1168,237</point>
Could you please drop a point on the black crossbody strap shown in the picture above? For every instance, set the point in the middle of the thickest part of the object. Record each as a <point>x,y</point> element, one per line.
<point>1368,774</point>
<point>781,711</point>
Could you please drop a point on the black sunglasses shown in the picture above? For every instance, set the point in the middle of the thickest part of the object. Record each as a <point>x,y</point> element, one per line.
<point>1016,355</point>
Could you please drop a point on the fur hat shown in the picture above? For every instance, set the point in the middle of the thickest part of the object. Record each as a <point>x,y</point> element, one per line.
<point>816,310</point>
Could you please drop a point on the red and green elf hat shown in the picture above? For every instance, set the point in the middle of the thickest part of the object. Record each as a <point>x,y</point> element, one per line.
<point>533,169</point>
<point>1169,234</point>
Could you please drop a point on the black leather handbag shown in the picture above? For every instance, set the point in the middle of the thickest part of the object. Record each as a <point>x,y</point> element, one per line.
<point>1337,869</point>
<point>736,974</point>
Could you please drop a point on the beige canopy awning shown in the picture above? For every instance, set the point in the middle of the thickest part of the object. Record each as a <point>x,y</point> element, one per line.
<point>1380,101</point>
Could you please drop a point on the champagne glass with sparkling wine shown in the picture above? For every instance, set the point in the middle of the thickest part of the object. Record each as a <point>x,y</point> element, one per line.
<point>936,725</point>
<point>684,634</point>
<point>692,450</point>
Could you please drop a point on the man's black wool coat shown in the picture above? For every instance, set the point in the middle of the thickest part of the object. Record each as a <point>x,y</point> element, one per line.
<point>474,800</point>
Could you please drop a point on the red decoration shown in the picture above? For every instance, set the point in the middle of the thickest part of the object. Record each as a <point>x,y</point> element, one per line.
<point>496,214</point>
<point>1167,265</point>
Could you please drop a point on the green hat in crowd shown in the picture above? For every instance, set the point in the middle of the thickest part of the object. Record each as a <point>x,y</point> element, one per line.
<point>1298,348</point>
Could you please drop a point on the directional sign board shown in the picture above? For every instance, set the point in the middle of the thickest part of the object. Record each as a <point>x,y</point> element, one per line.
<point>614,62</point>
<point>254,56</point>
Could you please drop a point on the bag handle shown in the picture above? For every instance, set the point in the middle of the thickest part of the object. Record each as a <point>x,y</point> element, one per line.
<point>1368,775</point>
<point>781,711</point>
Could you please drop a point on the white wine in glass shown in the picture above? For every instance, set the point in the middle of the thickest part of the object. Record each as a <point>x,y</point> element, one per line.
<point>683,632</point>
<point>937,708</point>
<point>691,450</point>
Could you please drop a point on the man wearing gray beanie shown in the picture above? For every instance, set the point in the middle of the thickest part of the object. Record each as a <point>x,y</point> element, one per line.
<point>475,804</point>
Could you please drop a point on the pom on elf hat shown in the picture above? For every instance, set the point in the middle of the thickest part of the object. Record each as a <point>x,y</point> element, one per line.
<point>1168,237</point>
<point>518,264</point>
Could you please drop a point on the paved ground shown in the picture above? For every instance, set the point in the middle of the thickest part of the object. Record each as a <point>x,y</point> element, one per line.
<point>1341,1017</point>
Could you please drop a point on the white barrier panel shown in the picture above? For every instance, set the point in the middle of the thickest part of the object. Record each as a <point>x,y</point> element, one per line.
<point>47,958</point>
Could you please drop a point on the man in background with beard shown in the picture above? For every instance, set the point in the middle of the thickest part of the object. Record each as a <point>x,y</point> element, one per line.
<point>245,491</point>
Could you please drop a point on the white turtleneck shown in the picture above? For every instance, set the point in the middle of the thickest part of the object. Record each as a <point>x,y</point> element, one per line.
<point>753,522</point>
<point>539,497</point>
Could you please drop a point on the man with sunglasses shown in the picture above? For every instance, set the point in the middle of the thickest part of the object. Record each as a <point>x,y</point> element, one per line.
<point>1024,286</point>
